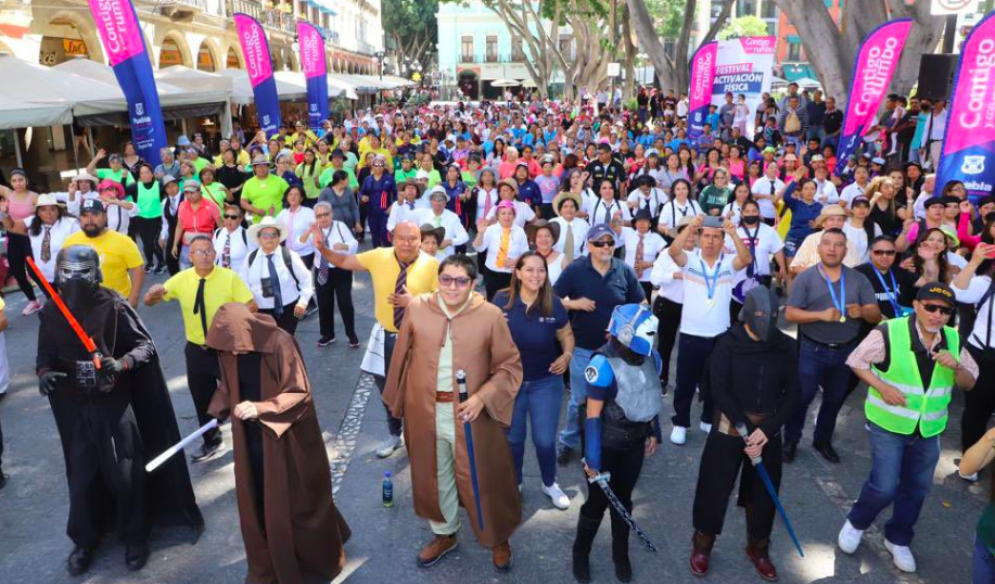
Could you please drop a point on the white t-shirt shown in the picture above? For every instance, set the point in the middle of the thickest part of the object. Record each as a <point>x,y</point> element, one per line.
<point>703,316</point>
<point>653,244</point>
<point>826,192</point>
<point>767,241</point>
<point>523,213</point>
<point>299,222</point>
<point>859,239</point>
<point>850,192</point>
<point>674,211</point>
<point>762,193</point>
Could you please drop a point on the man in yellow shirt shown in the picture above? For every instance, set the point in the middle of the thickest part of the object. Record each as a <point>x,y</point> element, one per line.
<point>302,131</point>
<point>201,291</point>
<point>399,274</point>
<point>120,261</point>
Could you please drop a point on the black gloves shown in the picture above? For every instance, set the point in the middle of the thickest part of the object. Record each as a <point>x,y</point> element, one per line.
<point>48,380</point>
<point>112,366</point>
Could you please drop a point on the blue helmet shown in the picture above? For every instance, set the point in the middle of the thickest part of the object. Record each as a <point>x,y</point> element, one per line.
<point>634,326</point>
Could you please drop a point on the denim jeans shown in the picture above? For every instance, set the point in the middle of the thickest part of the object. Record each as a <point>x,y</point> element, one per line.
<point>538,400</point>
<point>570,435</point>
<point>901,473</point>
<point>983,569</point>
<point>692,358</point>
<point>820,366</point>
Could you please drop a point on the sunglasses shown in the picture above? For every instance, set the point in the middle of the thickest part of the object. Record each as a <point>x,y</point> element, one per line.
<point>320,215</point>
<point>601,244</point>
<point>269,235</point>
<point>884,252</point>
<point>934,308</point>
<point>448,281</point>
<point>232,217</point>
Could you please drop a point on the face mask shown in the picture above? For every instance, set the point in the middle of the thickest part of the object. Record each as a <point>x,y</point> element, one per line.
<point>77,275</point>
<point>750,219</point>
<point>759,312</point>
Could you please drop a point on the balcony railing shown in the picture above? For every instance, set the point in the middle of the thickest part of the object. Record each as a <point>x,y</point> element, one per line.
<point>250,7</point>
<point>280,21</point>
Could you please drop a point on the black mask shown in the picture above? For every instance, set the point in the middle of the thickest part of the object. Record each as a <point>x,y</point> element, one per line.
<point>759,312</point>
<point>77,274</point>
<point>750,219</point>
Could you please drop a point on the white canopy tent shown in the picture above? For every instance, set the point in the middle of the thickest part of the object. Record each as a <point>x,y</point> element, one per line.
<point>287,89</point>
<point>33,83</point>
<point>170,95</point>
<point>398,82</point>
<point>21,114</point>
<point>361,85</point>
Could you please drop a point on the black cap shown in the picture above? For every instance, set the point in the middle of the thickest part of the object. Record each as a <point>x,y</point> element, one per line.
<point>337,152</point>
<point>934,200</point>
<point>936,291</point>
<point>642,214</point>
<point>987,200</point>
<point>92,206</point>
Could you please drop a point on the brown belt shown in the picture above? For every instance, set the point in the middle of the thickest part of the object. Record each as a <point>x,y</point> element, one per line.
<point>445,397</point>
<point>726,426</point>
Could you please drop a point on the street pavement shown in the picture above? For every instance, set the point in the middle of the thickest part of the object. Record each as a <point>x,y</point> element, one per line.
<point>34,505</point>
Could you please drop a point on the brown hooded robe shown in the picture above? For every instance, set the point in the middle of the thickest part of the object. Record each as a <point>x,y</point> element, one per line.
<point>483,347</point>
<point>301,538</point>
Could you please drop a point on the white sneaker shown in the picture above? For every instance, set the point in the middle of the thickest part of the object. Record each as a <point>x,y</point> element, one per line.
<point>706,428</point>
<point>556,494</point>
<point>971,478</point>
<point>389,445</point>
<point>679,435</point>
<point>849,538</point>
<point>902,556</point>
<point>31,308</point>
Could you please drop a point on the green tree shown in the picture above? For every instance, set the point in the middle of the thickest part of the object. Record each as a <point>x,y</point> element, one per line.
<point>745,26</point>
<point>668,16</point>
<point>412,26</point>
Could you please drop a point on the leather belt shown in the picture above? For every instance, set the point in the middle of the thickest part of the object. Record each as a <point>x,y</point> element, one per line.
<point>445,397</point>
<point>726,426</point>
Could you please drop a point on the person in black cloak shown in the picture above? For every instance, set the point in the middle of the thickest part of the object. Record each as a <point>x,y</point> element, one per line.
<point>110,419</point>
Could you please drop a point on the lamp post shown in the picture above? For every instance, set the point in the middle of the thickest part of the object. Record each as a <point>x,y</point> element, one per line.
<point>379,55</point>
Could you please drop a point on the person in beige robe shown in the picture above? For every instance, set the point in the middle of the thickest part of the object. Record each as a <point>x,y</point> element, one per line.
<point>292,530</point>
<point>444,332</point>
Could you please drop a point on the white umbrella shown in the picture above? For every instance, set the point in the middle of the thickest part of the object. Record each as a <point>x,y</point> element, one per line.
<point>529,83</point>
<point>505,83</point>
<point>808,83</point>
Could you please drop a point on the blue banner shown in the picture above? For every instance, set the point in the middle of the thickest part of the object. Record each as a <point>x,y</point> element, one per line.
<point>121,34</point>
<point>255,47</point>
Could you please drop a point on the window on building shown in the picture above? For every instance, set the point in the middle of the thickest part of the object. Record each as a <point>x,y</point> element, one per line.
<point>794,52</point>
<point>768,9</point>
<point>466,49</point>
<point>772,28</point>
<point>746,8</point>
<point>517,50</point>
<point>492,49</point>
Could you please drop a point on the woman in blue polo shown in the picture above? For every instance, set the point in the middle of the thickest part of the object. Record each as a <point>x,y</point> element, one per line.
<point>541,330</point>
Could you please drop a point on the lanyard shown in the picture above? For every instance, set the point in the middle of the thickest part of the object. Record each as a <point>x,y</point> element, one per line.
<point>711,280</point>
<point>891,294</point>
<point>841,303</point>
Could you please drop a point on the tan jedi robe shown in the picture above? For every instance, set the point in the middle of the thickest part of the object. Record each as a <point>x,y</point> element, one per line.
<point>483,347</point>
<point>304,533</point>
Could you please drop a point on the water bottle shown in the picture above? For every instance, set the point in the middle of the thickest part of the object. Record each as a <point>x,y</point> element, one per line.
<point>388,490</point>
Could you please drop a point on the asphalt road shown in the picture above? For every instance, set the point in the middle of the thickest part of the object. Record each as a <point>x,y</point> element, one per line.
<point>34,505</point>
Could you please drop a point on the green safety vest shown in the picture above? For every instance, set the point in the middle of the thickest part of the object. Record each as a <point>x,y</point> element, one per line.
<point>924,406</point>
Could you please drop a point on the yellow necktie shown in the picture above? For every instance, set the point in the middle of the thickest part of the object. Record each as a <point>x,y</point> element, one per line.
<point>503,248</point>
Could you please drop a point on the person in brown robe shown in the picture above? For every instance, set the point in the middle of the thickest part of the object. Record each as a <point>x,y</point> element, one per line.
<point>444,332</point>
<point>292,530</point>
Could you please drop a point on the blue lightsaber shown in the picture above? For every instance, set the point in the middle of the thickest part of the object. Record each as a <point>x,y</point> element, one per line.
<point>762,471</point>
<point>468,432</point>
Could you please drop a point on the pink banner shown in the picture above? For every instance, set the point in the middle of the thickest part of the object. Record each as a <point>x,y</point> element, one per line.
<point>118,29</point>
<point>700,94</point>
<point>764,45</point>
<point>312,50</point>
<point>971,119</point>
<point>255,47</point>
<point>872,72</point>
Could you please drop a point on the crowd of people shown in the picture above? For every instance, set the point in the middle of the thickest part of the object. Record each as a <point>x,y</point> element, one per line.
<point>601,241</point>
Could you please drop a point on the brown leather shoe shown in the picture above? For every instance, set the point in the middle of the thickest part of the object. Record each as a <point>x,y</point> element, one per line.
<point>701,553</point>
<point>436,550</point>
<point>757,551</point>
<point>503,558</point>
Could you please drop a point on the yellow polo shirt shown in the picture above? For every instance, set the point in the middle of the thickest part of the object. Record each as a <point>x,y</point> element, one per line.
<point>222,286</point>
<point>423,276</point>
<point>118,254</point>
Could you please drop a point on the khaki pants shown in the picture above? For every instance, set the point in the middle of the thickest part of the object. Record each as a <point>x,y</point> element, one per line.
<point>445,459</point>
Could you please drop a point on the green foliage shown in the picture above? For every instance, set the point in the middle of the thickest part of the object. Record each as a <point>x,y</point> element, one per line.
<point>745,26</point>
<point>410,20</point>
<point>668,15</point>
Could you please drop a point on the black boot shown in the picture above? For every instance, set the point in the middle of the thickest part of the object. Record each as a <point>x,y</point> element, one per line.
<point>587,528</point>
<point>79,560</point>
<point>620,549</point>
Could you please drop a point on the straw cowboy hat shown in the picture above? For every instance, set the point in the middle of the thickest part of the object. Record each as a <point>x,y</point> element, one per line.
<point>420,188</point>
<point>532,228</point>
<point>48,201</point>
<point>575,197</point>
<point>268,222</point>
<point>438,232</point>
<point>827,212</point>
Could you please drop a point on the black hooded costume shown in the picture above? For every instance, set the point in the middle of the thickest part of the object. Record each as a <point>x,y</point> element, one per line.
<point>110,429</point>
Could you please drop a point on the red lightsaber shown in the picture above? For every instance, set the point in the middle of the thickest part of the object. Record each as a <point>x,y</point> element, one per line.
<point>88,343</point>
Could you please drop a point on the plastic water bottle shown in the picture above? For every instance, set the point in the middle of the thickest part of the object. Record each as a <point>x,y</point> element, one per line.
<point>388,490</point>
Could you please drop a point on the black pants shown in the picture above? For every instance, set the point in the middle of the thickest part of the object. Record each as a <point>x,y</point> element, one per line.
<point>668,313</point>
<point>394,425</point>
<point>203,373</point>
<point>495,281</point>
<point>172,264</point>
<point>287,321</point>
<point>692,365</point>
<point>338,287</point>
<point>148,232</point>
<point>979,403</point>
<point>18,250</point>
<point>624,466</point>
<point>721,461</point>
<point>647,290</point>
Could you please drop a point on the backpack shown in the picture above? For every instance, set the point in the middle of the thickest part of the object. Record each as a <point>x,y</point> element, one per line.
<point>792,123</point>
<point>245,238</point>
<point>285,254</point>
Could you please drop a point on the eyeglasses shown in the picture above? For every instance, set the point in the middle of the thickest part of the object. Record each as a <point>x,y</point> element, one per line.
<point>320,215</point>
<point>202,253</point>
<point>601,244</point>
<point>448,281</point>
<point>269,235</point>
<point>884,252</point>
<point>930,308</point>
<point>378,165</point>
<point>232,217</point>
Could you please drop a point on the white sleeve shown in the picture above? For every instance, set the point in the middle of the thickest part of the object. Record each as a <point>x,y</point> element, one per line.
<point>976,289</point>
<point>483,240</point>
<point>133,212</point>
<point>392,217</point>
<point>164,233</point>
<point>832,196</point>
<point>528,213</point>
<point>663,269</point>
<point>350,240</point>
<point>304,277</point>
<point>459,234</point>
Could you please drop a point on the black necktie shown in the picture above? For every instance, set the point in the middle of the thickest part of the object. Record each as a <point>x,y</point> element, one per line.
<point>199,307</point>
<point>274,282</point>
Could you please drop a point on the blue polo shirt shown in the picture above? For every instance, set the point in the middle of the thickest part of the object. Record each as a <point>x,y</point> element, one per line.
<point>619,285</point>
<point>534,335</point>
